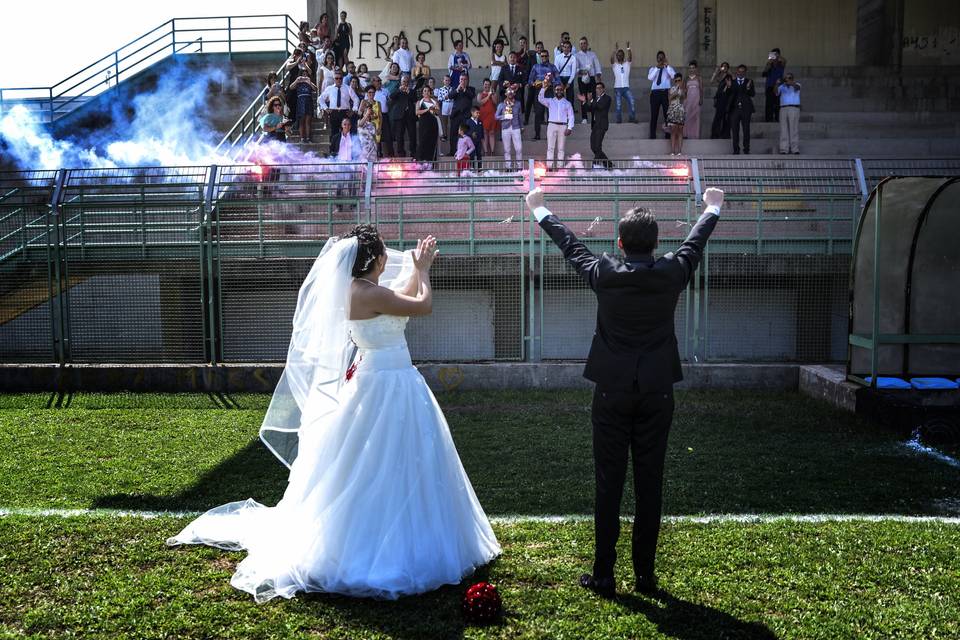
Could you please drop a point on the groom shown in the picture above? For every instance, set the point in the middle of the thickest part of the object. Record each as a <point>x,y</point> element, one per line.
<point>634,362</point>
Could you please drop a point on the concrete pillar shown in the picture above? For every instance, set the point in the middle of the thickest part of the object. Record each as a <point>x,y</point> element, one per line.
<point>699,33</point>
<point>520,22</point>
<point>879,32</point>
<point>317,7</point>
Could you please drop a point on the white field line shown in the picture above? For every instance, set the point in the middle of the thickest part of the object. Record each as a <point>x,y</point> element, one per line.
<point>744,518</point>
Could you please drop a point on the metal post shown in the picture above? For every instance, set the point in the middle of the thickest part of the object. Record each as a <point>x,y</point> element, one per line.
<point>206,258</point>
<point>50,94</point>
<point>533,348</point>
<point>861,178</point>
<point>59,311</point>
<point>874,356</point>
<point>230,38</point>
<point>173,36</point>
<point>368,192</point>
<point>116,71</point>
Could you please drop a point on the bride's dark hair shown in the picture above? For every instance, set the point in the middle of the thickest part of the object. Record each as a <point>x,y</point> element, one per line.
<point>369,247</point>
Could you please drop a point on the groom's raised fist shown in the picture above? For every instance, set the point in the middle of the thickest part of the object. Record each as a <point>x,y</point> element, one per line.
<point>713,197</point>
<point>535,199</point>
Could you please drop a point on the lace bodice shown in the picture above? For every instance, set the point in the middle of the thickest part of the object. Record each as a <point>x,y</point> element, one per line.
<point>381,332</point>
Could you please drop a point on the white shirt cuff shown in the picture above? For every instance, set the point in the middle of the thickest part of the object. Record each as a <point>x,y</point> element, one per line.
<point>540,213</point>
<point>715,210</point>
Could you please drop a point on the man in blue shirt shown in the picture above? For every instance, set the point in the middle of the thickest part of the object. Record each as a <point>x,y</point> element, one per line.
<point>788,92</point>
<point>537,76</point>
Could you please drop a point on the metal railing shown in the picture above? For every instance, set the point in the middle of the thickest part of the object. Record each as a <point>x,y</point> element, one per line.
<point>203,264</point>
<point>220,34</point>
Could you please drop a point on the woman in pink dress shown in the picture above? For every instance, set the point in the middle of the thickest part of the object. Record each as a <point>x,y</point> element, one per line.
<point>693,102</point>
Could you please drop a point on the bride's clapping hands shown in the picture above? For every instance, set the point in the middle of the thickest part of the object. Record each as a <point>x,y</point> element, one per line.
<point>425,253</point>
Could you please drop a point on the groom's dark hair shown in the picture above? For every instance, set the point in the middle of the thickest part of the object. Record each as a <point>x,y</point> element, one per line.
<point>369,247</point>
<point>638,231</point>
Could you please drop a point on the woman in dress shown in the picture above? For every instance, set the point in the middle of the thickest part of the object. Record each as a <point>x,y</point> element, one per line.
<point>376,117</point>
<point>363,72</point>
<point>344,41</point>
<point>272,120</point>
<point>487,101</point>
<point>428,126</point>
<point>458,63</point>
<point>377,503</point>
<point>693,102</point>
<point>675,115</point>
<point>323,27</point>
<point>327,71</point>
<point>306,93</point>
<point>391,77</point>
<point>367,130</point>
<point>420,72</point>
<point>498,60</point>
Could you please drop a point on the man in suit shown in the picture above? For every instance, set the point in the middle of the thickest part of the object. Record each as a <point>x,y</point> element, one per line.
<point>513,77</point>
<point>634,363</point>
<point>462,97</point>
<point>598,107</point>
<point>401,110</point>
<point>741,109</point>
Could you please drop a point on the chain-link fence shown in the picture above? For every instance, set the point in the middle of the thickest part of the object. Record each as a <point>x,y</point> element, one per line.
<point>203,264</point>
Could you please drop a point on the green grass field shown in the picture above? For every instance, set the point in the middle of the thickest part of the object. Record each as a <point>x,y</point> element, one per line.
<point>527,454</point>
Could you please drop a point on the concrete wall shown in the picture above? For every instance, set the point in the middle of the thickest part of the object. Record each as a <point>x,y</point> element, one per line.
<point>931,32</point>
<point>809,33</point>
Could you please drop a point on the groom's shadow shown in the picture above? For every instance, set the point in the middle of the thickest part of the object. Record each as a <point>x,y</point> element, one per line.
<point>681,619</point>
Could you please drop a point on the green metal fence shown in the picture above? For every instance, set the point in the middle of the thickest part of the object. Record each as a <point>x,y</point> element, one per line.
<point>203,264</point>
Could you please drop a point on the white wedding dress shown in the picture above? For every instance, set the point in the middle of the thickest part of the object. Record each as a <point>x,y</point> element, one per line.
<point>378,503</point>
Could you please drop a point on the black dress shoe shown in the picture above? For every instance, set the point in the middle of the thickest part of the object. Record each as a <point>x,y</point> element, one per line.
<point>646,586</point>
<point>603,587</point>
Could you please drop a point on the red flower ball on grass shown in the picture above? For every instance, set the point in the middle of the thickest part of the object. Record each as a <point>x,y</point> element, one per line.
<point>481,603</point>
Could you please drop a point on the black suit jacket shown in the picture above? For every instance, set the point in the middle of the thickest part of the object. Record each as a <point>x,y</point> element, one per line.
<point>518,76</point>
<point>475,132</point>
<point>599,109</point>
<point>335,143</point>
<point>634,346</point>
<point>742,96</point>
<point>400,105</point>
<point>462,101</point>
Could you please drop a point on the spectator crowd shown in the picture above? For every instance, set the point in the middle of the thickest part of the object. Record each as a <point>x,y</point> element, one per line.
<point>403,111</point>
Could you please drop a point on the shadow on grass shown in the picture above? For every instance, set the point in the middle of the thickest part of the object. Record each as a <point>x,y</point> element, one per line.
<point>252,472</point>
<point>685,620</point>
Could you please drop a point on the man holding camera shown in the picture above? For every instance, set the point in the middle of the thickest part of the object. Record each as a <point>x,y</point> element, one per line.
<point>788,92</point>
<point>773,72</point>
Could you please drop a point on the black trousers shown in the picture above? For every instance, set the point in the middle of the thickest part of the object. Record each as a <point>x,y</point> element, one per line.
<point>530,102</point>
<point>398,128</point>
<point>386,138</point>
<point>638,423</point>
<point>336,119</point>
<point>771,111</point>
<point>596,145</point>
<point>738,119</point>
<point>456,119</point>
<point>587,88</point>
<point>720,128</point>
<point>411,125</point>
<point>659,101</point>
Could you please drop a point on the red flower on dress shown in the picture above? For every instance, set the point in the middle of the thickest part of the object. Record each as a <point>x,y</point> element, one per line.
<point>352,369</point>
<point>481,603</point>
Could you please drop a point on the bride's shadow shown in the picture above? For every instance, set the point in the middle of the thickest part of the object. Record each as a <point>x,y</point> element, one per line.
<point>677,618</point>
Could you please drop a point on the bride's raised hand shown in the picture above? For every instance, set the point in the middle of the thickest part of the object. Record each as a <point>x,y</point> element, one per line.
<point>425,253</point>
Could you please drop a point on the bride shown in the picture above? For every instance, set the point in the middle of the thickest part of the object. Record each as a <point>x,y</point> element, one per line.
<point>377,503</point>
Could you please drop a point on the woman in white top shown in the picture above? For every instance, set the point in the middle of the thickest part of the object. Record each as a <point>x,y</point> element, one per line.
<point>326,72</point>
<point>498,60</point>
